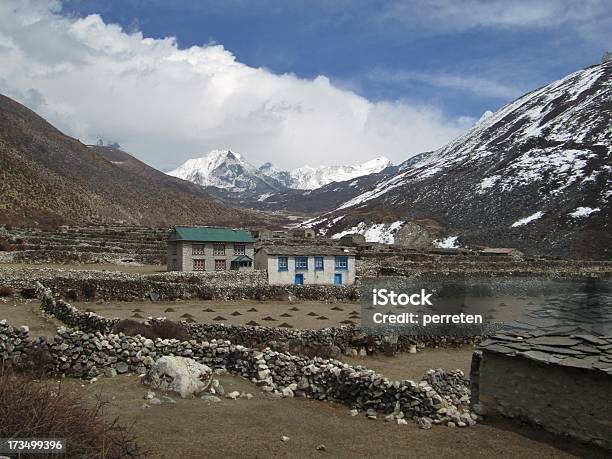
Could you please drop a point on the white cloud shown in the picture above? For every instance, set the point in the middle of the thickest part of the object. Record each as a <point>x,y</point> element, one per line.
<point>167,104</point>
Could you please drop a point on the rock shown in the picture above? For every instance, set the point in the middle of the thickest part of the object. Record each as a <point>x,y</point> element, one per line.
<point>287,392</point>
<point>122,367</point>
<point>401,422</point>
<point>389,418</point>
<point>479,409</point>
<point>451,424</point>
<point>149,395</point>
<point>413,349</point>
<point>167,399</point>
<point>210,398</point>
<point>24,329</point>
<point>321,447</point>
<point>233,395</point>
<point>155,401</point>
<point>354,412</point>
<point>247,395</point>
<point>285,438</point>
<point>424,423</point>
<point>178,374</point>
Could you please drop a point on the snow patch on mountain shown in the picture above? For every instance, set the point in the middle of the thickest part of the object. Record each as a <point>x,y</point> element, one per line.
<point>582,212</point>
<point>377,232</point>
<point>450,242</point>
<point>310,178</point>
<point>526,220</point>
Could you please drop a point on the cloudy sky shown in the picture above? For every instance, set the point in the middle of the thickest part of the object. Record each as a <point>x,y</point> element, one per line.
<point>292,82</point>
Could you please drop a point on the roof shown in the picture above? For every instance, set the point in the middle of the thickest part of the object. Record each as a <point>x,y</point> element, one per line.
<point>585,351</point>
<point>210,234</point>
<point>242,258</point>
<point>501,250</point>
<point>307,250</point>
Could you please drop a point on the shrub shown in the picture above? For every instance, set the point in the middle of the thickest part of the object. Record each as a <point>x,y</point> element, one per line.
<point>89,291</point>
<point>31,408</point>
<point>167,329</point>
<point>5,245</point>
<point>6,290</point>
<point>164,329</point>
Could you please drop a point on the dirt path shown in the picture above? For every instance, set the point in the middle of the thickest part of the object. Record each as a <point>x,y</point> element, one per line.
<point>253,428</point>
<point>19,312</point>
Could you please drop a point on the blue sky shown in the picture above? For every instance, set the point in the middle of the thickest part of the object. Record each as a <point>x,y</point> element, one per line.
<point>372,48</point>
<point>293,82</point>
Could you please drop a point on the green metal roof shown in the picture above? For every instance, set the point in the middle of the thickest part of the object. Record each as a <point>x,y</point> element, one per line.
<point>242,258</point>
<point>209,234</point>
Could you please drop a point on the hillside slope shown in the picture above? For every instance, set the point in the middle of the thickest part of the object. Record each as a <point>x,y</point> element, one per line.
<point>537,175</point>
<point>48,178</point>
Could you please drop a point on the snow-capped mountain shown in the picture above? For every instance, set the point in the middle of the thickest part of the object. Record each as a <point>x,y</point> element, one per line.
<point>537,175</point>
<point>228,170</point>
<point>311,178</point>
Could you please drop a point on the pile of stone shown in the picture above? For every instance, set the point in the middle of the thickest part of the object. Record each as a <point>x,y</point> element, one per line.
<point>441,397</point>
<point>14,343</point>
<point>71,316</point>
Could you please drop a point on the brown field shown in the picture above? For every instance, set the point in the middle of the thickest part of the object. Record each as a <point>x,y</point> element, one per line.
<point>253,428</point>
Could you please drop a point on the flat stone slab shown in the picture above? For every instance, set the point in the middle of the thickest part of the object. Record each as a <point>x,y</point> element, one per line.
<point>554,341</point>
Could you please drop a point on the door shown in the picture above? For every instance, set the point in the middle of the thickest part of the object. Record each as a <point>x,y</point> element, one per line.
<point>299,279</point>
<point>338,279</point>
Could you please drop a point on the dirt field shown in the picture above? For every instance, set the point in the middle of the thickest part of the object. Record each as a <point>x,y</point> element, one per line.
<point>309,314</point>
<point>253,428</point>
<point>27,312</point>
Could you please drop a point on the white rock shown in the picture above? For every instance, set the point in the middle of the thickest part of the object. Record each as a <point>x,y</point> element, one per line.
<point>285,438</point>
<point>178,374</point>
<point>233,395</point>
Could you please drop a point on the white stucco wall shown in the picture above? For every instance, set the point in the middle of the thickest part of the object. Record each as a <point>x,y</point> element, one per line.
<point>311,277</point>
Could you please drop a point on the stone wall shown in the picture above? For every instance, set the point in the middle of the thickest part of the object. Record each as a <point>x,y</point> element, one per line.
<point>328,342</point>
<point>561,399</point>
<point>121,286</point>
<point>440,398</point>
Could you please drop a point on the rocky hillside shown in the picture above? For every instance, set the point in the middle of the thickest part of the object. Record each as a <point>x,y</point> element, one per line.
<point>536,175</point>
<point>48,178</point>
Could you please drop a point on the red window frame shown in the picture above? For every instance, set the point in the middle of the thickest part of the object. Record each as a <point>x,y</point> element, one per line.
<point>198,249</point>
<point>218,249</point>
<point>199,265</point>
<point>239,249</point>
<point>220,265</point>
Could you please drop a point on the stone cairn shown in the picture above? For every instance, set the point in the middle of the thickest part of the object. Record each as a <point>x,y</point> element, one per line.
<point>440,398</point>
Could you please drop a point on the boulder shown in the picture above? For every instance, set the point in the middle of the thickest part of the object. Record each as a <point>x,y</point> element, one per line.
<point>178,374</point>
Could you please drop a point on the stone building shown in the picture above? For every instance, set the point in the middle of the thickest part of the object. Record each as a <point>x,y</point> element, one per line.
<point>307,265</point>
<point>303,233</point>
<point>209,249</point>
<point>262,234</point>
<point>352,239</point>
<point>561,383</point>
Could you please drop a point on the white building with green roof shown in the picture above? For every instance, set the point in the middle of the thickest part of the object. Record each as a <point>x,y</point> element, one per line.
<point>196,249</point>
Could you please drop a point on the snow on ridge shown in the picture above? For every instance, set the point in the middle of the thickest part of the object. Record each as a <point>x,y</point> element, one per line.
<point>376,232</point>
<point>526,220</point>
<point>450,242</point>
<point>581,212</point>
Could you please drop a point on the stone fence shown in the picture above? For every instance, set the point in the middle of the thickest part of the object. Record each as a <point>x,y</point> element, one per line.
<point>121,286</point>
<point>441,397</point>
<point>323,342</point>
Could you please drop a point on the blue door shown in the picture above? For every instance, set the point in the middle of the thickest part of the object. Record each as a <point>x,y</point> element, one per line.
<point>338,279</point>
<point>299,279</point>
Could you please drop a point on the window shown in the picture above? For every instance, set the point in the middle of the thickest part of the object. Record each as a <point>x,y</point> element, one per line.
<point>199,265</point>
<point>197,249</point>
<point>238,249</point>
<point>283,264</point>
<point>219,265</point>
<point>319,264</point>
<point>301,263</point>
<point>218,249</point>
<point>341,262</point>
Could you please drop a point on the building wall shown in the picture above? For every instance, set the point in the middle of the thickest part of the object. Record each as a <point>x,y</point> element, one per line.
<point>325,277</point>
<point>185,255</point>
<point>563,400</point>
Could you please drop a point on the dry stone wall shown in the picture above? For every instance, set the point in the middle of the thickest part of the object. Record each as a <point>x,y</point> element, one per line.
<point>120,286</point>
<point>440,397</point>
